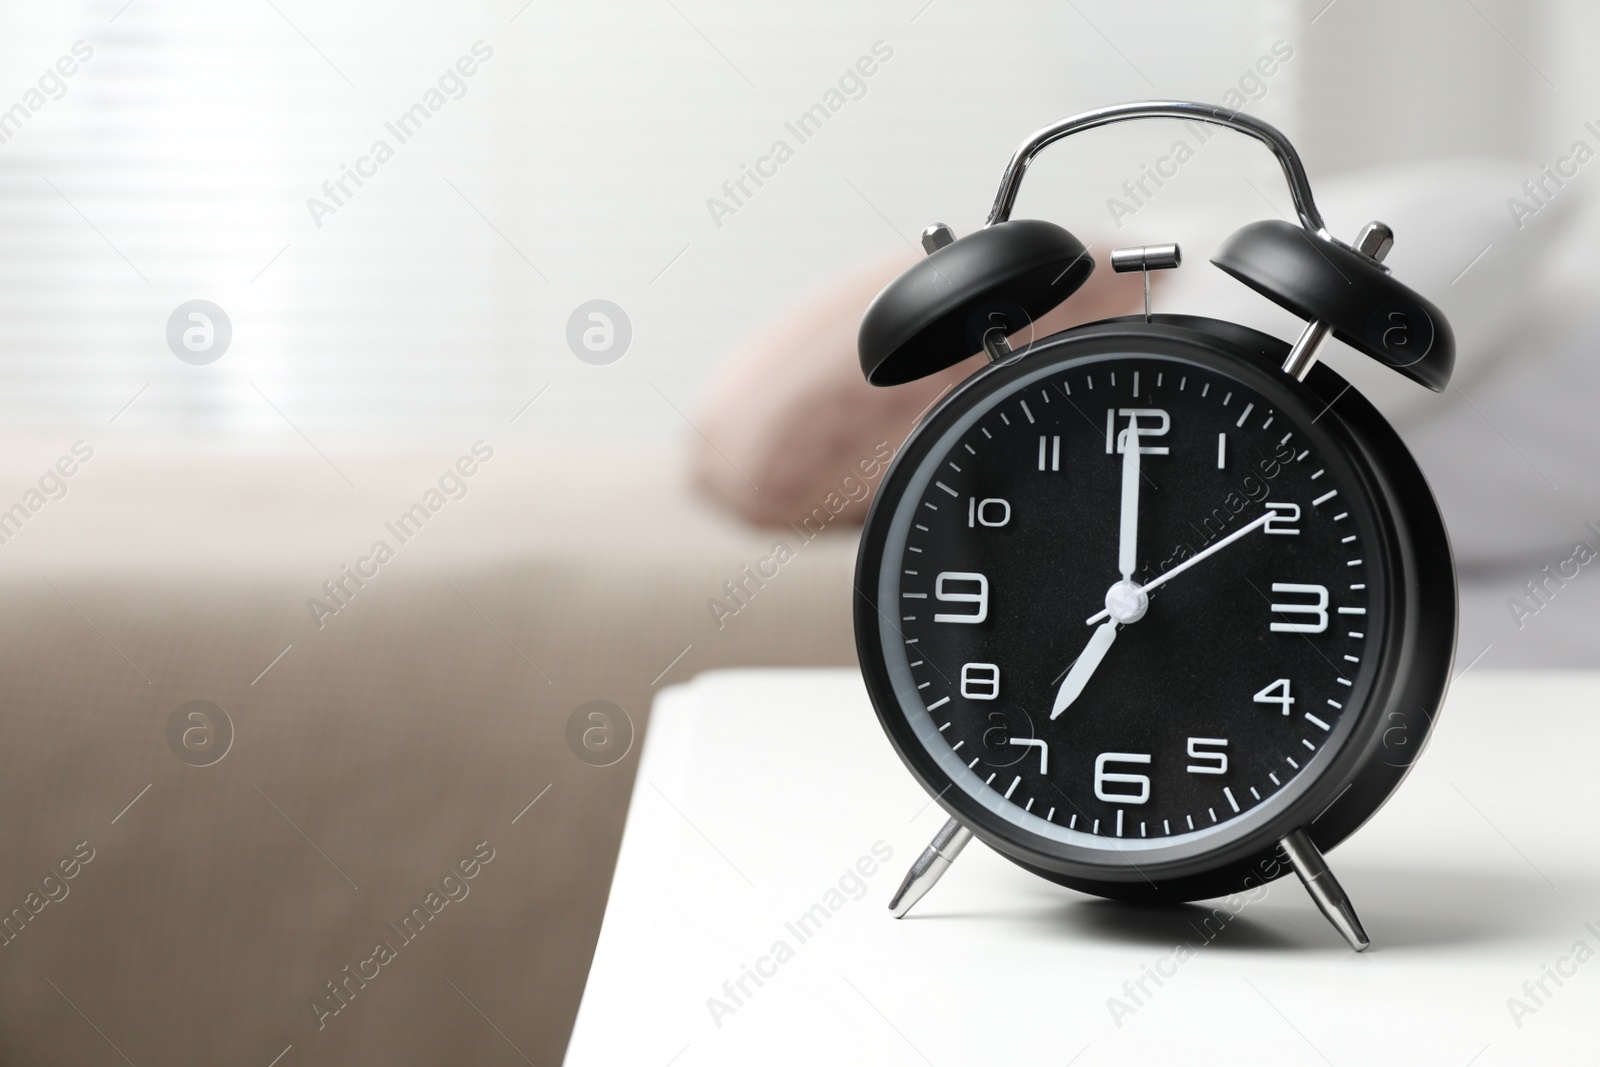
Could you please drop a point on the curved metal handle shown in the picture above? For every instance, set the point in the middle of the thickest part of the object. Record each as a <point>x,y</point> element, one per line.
<point>1294,172</point>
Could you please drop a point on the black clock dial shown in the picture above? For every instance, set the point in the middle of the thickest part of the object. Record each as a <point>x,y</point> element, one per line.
<point>1247,607</point>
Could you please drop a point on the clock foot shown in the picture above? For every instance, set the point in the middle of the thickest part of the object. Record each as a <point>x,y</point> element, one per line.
<point>1324,888</point>
<point>930,866</point>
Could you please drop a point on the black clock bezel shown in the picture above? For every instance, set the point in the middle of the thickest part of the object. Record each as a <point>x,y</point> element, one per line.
<point>1404,691</point>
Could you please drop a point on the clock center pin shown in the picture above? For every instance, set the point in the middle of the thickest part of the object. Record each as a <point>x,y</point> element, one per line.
<point>1126,602</point>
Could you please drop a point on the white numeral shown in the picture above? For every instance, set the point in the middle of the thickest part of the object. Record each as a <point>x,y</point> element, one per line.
<point>1319,609</point>
<point>1276,693</point>
<point>980,597</point>
<point>980,681</point>
<point>1217,762</point>
<point>1139,423</point>
<point>1284,516</point>
<point>1103,777</point>
<point>1052,445</point>
<point>990,511</point>
<point>1044,751</point>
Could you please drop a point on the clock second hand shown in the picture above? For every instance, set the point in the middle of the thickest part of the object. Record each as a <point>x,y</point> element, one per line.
<point>1259,521</point>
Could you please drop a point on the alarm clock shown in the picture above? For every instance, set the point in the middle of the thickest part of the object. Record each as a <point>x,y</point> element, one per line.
<point>1157,607</point>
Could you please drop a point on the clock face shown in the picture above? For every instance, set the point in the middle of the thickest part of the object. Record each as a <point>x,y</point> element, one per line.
<point>1128,652</point>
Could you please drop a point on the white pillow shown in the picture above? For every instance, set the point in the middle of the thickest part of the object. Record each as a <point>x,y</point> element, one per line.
<point>1518,419</point>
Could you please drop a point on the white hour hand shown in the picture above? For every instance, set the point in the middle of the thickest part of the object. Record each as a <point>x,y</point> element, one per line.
<point>1078,677</point>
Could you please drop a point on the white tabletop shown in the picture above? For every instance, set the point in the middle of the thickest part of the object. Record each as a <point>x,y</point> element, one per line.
<point>759,793</point>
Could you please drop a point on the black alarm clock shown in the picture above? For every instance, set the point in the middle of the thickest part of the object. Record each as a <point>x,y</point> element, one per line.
<point>1157,607</point>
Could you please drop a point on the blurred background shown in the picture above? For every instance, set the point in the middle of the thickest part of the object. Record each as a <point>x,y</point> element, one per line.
<point>578,162</point>
<point>433,307</point>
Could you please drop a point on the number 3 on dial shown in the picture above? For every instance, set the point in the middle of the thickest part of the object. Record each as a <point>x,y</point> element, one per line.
<point>1318,611</point>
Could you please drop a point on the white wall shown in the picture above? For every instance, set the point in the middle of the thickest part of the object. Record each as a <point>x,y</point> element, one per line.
<point>590,143</point>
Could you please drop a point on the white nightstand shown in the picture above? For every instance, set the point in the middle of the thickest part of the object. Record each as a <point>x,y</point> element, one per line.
<point>771,822</point>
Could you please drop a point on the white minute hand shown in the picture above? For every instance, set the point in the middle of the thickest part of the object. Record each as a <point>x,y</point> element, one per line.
<point>1128,538</point>
<point>1259,521</point>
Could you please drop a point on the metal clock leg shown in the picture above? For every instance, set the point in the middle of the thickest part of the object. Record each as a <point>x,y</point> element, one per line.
<point>930,866</point>
<point>1324,888</point>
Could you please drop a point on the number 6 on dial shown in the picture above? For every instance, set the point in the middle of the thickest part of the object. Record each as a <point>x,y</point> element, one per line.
<point>1103,777</point>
